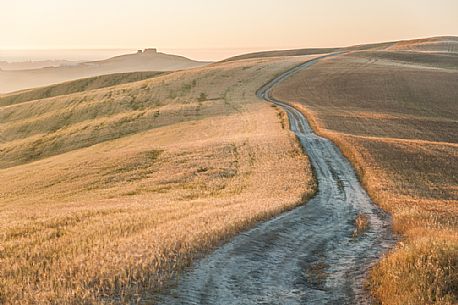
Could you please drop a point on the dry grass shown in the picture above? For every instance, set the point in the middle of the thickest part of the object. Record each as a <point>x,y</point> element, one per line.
<point>361,224</point>
<point>115,201</point>
<point>75,86</point>
<point>395,117</point>
<point>447,44</point>
<point>442,45</point>
<point>38,129</point>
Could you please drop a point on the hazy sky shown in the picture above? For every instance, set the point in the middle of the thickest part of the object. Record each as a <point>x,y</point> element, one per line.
<point>204,24</point>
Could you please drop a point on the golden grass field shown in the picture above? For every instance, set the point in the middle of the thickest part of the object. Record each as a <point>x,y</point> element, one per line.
<point>108,193</point>
<point>394,115</point>
<point>79,85</point>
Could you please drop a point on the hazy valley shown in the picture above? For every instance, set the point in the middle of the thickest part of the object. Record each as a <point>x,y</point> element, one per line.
<point>144,60</point>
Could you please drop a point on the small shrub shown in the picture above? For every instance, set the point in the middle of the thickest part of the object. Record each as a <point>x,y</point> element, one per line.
<point>202,97</point>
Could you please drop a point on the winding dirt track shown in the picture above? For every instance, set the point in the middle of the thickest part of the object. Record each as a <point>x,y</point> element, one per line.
<point>305,256</point>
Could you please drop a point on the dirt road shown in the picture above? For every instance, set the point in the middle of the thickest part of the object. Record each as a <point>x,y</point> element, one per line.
<point>309,255</point>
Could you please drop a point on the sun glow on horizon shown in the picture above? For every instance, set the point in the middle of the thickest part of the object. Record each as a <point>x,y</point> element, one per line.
<point>204,25</point>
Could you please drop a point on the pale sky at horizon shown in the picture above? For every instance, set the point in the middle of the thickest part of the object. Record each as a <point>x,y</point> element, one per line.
<point>205,24</point>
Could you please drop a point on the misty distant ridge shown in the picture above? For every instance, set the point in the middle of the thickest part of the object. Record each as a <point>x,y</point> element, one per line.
<point>144,60</point>
<point>151,60</point>
<point>32,64</point>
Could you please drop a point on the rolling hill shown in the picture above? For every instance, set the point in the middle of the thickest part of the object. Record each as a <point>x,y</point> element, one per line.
<point>75,86</point>
<point>394,113</point>
<point>111,186</point>
<point>107,193</point>
<point>446,44</point>
<point>147,60</point>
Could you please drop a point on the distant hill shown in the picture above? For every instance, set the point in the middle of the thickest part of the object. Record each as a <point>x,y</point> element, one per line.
<point>445,44</point>
<point>297,52</point>
<point>147,60</point>
<point>70,87</point>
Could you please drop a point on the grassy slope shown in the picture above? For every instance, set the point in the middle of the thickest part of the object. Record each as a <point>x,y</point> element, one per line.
<point>394,114</point>
<point>106,194</point>
<point>76,86</point>
<point>436,44</point>
<point>298,52</point>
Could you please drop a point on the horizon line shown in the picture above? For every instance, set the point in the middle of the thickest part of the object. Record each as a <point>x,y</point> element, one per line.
<point>221,48</point>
